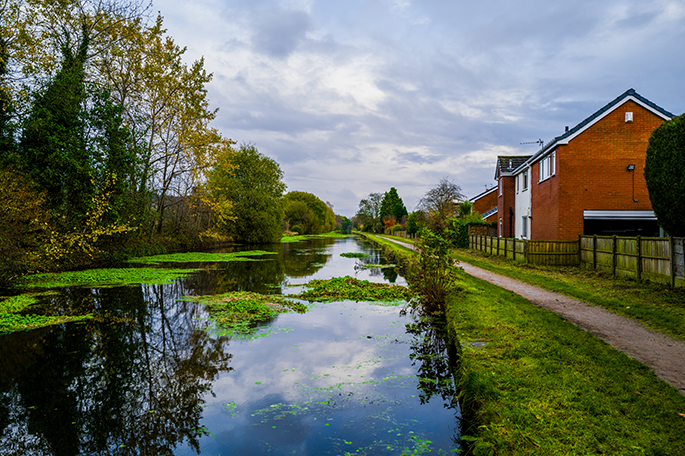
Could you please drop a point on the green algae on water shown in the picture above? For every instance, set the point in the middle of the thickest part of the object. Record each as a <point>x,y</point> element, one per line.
<point>349,288</point>
<point>201,257</point>
<point>113,277</point>
<point>354,255</point>
<point>240,312</point>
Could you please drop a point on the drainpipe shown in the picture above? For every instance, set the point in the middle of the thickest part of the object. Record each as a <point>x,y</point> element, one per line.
<point>511,222</point>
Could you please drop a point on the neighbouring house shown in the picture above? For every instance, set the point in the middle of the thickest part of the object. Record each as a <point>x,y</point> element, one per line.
<point>486,204</point>
<point>506,193</point>
<point>589,180</point>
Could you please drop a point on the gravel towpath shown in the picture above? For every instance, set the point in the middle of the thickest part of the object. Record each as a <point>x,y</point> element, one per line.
<point>663,354</point>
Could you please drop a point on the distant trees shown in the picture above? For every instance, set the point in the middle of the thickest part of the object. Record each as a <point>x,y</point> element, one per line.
<point>665,175</point>
<point>440,203</point>
<point>308,212</point>
<point>251,183</point>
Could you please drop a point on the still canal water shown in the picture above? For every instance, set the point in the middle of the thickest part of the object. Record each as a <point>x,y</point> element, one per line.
<point>150,375</point>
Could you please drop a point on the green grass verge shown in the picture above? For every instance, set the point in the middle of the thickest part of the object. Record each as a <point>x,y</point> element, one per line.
<point>657,306</point>
<point>103,277</point>
<point>532,383</point>
<point>200,257</point>
<point>14,315</point>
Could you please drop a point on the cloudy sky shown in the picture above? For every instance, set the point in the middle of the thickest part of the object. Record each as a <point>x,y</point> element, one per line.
<point>357,96</point>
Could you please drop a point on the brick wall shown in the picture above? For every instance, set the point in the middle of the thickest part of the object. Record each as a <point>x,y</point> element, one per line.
<point>592,174</point>
<point>485,203</point>
<point>504,202</point>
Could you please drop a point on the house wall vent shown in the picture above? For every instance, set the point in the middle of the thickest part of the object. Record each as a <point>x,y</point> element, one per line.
<point>629,117</point>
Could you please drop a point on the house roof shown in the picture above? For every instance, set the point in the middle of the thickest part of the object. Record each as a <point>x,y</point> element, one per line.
<point>629,94</point>
<point>480,195</point>
<point>508,163</point>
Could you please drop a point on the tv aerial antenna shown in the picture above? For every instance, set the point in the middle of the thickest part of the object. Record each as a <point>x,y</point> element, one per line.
<point>539,141</point>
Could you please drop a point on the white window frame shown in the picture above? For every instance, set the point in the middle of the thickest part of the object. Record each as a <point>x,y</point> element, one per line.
<point>500,186</point>
<point>525,180</point>
<point>524,227</point>
<point>547,166</point>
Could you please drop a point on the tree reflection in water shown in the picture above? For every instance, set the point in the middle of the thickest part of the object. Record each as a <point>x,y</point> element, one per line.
<point>130,381</point>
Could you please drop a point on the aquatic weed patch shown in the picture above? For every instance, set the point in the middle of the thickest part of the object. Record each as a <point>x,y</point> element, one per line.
<point>201,257</point>
<point>14,316</point>
<point>240,312</point>
<point>349,288</point>
<point>354,255</point>
<point>104,277</point>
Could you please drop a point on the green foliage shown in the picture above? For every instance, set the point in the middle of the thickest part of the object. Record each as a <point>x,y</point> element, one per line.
<point>439,204</point>
<point>432,276</point>
<point>369,213</point>
<point>296,229</point>
<point>255,189</point>
<point>241,311</point>
<point>465,208</point>
<point>349,288</point>
<point>343,224</point>
<point>392,205</point>
<point>415,222</point>
<point>53,144</point>
<point>665,175</point>
<point>309,212</point>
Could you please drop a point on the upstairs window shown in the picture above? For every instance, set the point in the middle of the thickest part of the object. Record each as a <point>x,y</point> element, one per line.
<point>525,180</point>
<point>548,166</point>
<point>500,186</point>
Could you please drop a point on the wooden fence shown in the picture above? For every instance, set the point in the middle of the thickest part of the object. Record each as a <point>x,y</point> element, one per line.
<point>534,252</point>
<point>656,259</point>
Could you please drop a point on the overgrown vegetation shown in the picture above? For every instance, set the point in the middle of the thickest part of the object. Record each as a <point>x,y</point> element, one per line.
<point>241,312</point>
<point>431,276</point>
<point>349,288</point>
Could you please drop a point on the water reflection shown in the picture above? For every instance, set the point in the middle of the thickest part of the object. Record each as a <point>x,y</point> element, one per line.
<point>131,381</point>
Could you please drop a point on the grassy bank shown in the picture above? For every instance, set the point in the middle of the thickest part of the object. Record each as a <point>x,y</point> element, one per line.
<point>533,384</point>
<point>655,305</point>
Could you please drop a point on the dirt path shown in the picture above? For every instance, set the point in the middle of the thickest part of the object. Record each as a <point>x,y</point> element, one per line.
<point>665,355</point>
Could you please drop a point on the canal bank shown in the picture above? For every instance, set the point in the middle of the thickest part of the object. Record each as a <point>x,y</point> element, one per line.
<point>530,382</point>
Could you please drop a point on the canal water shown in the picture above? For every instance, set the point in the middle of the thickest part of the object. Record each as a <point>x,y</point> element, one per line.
<point>151,375</point>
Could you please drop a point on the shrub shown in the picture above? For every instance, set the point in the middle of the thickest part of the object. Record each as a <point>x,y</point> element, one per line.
<point>431,277</point>
<point>296,229</point>
<point>665,175</point>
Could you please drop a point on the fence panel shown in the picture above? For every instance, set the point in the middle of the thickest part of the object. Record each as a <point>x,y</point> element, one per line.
<point>656,259</point>
<point>553,252</point>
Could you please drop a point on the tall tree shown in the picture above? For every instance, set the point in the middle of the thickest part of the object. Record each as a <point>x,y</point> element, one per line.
<point>392,205</point>
<point>7,126</point>
<point>665,175</point>
<point>53,147</point>
<point>252,184</point>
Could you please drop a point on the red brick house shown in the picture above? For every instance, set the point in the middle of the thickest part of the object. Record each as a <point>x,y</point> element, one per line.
<point>486,204</point>
<point>589,180</point>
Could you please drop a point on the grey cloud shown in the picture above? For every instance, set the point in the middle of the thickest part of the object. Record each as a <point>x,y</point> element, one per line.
<point>279,32</point>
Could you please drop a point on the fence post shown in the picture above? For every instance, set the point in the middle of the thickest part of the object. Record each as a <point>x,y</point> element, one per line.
<point>525,250</point>
<point>639,259</point>
<point>671,243</point>
<point>594,252</point>
<point>613,256</point>
<point>580,249</point>
<point>514,249</point>
<point>497,245</point>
